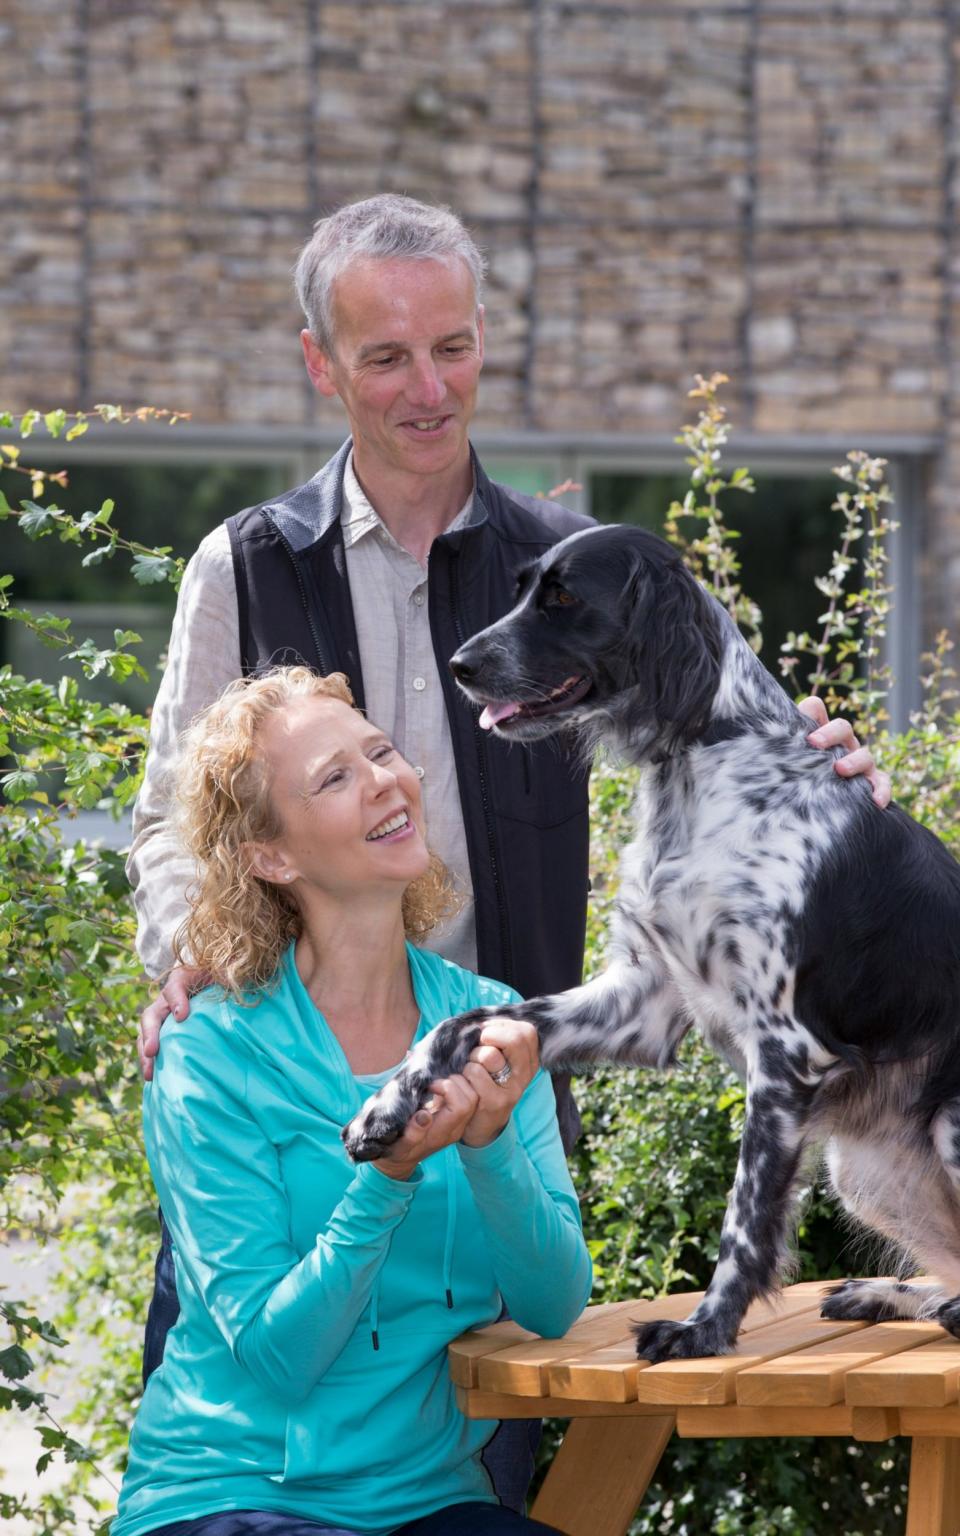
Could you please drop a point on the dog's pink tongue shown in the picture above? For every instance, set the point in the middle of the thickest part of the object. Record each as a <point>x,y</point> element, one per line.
<point>494,712</point>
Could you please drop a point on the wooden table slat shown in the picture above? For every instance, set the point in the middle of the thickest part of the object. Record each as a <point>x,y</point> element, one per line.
<point>466,1352</point>
<point>519,1343</point>
<point>524,1369</point>
<point>941,1423</point>
<point>927,1376</point>
<point>475,1404</point>
<point>814,1377</point>
<point>715,1380</point>
<point>611,1373</point>
<point>733,1422</point>
<point>608,1373</point>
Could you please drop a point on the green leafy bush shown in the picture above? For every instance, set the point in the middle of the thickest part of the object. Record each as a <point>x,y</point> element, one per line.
<point>658,1152</point>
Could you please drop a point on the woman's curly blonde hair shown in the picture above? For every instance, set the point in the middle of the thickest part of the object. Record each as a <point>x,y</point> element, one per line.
<point>240,924</point>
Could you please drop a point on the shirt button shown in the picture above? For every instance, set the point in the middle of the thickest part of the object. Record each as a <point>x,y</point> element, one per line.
<point>419,772</point>
<point>418,599</point>
<point>419,684</point>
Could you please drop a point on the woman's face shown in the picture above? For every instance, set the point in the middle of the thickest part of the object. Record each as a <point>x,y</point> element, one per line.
<point>348,803</point>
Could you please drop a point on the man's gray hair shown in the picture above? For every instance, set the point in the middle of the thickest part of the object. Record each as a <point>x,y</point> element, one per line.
<point>383,227</point>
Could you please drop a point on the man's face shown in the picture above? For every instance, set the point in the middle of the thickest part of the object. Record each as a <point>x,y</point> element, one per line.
<point>408,336</point>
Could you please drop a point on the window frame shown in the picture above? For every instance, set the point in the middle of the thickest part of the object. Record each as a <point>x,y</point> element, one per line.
<point>298,451</point>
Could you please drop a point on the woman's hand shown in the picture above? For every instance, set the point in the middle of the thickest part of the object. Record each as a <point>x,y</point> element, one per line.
<point>470,1107</point>
<point>441,1122</point>
<point>508,1049</point>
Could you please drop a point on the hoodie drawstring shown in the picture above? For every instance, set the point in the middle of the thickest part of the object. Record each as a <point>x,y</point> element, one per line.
<point>375,1313</point>
<point>446,1281</point>
<point>451,1227</point>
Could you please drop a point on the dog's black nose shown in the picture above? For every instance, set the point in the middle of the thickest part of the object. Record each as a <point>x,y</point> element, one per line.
<point>462,670</point>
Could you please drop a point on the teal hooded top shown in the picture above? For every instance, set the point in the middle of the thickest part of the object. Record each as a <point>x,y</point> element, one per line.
<point>307,1371</point>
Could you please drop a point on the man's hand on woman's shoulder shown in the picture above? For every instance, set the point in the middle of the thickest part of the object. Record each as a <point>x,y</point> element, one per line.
<point>174,997</point>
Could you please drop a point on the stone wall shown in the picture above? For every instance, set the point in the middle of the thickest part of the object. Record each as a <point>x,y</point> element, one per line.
<point>768,188</point>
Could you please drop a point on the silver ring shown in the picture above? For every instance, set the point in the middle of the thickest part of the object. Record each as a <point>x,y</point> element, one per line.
<point>501,1077</point>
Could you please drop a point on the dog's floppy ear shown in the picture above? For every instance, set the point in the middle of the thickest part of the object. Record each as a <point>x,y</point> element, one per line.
<point>674,640</point>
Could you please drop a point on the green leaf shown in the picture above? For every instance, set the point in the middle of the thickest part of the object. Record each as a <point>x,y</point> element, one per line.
<point>55,421</point>
<point>102,552</point>
<point>18,784</point>
<point>77,430</point>
<point>106,511</point>
<point>82,934</point>
<point>15,1363</point>
<point>28,421</point>
<point>36,521</point>
<point>148,569</point>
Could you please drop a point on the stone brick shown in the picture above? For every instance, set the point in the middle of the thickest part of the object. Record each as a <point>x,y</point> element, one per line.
<point>203,102</point>
<point>40,101</point>
<point>639,312</point>
<point>210,310</point>
<point>41,318</point>
<point>630,131</point>
<point>849,111</point>
<point>429,99</point>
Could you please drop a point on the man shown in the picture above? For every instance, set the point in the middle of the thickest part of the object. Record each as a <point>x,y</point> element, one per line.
<point>380,566</point>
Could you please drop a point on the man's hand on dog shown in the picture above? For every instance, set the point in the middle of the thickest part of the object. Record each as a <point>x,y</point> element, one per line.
<point>858,760</point>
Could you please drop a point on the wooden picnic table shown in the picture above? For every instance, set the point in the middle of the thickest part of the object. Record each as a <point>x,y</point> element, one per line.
<point>792,1373</point>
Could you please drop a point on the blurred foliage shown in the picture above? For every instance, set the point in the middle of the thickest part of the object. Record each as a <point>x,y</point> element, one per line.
<point>659,1150</point>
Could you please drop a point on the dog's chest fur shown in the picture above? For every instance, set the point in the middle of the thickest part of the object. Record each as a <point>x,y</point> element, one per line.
<point>728,841</point>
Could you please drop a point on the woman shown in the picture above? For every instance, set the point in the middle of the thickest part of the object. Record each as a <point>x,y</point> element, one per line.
<point>305,1387</point>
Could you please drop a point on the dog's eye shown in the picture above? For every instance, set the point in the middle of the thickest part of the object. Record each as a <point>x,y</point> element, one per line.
<point>559,597</point>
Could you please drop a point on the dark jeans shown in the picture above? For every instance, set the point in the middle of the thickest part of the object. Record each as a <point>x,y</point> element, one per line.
<point>456,1520</point>
<point>508,1457</point>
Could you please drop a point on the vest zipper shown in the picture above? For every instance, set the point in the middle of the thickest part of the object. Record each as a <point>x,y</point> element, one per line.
<point>325,668</point>
<point>484,793</point>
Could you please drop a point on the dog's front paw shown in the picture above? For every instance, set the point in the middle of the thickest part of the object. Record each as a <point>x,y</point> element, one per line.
<point>384,1117</point>
<point>680,1341</point>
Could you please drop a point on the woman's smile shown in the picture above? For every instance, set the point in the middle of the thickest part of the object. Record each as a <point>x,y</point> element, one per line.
<point>394,827</point>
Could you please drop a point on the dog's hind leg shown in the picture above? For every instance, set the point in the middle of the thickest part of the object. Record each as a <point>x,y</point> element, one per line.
<point>897,1185</point>
<point>945,1133</point>
<point>753,1237</point>
<point>629,1014</point>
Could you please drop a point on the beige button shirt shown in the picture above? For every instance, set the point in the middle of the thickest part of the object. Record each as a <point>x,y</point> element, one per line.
<point>403,697</point>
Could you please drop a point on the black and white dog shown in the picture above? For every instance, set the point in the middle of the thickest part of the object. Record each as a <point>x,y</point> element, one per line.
<point>813,938</point>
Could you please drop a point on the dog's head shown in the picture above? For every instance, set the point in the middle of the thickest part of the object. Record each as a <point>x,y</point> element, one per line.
<point>610,635</point>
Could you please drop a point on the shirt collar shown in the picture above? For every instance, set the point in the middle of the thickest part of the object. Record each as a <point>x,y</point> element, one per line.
<point>358,517</point>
